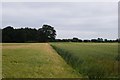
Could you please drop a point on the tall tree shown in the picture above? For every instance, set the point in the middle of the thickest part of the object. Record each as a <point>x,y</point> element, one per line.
<point>47,33</point>
<point>8,34</point>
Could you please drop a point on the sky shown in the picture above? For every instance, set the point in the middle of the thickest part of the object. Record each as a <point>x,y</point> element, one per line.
<point>85,20</point>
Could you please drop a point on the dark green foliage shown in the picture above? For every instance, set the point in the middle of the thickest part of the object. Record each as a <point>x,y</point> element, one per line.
<point>75,40</point>
<point>47,33</point>
<point>44,34</point>
<point>8,34</point>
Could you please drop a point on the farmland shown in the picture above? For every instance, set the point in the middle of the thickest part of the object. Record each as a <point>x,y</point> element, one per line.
<point>95,60</point>
<point>0,60</point>
<point>34,60</point>
<point>59,60</point>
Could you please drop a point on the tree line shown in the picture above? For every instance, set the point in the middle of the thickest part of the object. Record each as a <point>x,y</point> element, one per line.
<point>86,40</point>
<point>45,34</point>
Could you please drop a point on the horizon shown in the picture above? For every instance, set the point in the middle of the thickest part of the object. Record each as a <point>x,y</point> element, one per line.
<point>62,38</point>
<point>84,20</point>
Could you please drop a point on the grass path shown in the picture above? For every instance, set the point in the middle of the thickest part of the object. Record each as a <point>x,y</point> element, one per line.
<point>34,60</point>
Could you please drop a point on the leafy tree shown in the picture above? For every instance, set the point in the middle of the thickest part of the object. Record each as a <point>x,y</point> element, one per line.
<point>100,40</point>
<point>8,34</point>
<point>75,39</point>
<point>0,35</point>
<point>105,40</point>
<point>47,33</point>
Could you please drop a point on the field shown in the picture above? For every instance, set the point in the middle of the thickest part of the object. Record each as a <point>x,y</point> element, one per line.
<point>62,60</point>
<point>34,60</point>
<point>0,61</point>
<point>95,60</point>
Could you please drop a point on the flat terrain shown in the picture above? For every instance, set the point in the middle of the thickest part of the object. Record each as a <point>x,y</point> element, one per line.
<point>34,60</point>
<point>90,59</point>
<point>60,60</point>
<point>0,61</point>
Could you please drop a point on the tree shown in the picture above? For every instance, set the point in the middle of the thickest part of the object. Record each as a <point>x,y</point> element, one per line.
<point>100,40</point>
<point>94,40</point>
<point>8,34</point>
<point>75,39</point>
<point>105,40</point>
<point>0,35</point>
<point>47,33</point>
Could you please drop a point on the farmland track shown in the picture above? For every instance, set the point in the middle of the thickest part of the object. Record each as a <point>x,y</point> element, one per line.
<point>34,60</point>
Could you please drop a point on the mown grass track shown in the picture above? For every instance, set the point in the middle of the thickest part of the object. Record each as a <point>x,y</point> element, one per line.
<point>34,60</point>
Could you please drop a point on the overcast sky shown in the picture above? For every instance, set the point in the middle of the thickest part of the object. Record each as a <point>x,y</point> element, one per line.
<point>84,20</point>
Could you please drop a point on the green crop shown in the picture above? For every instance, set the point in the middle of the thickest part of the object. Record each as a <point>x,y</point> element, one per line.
<point>92,60</point>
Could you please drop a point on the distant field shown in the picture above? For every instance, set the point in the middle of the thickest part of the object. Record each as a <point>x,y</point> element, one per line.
<point>34,60</point>
<point>90,59</point>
